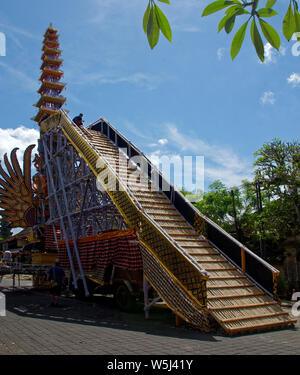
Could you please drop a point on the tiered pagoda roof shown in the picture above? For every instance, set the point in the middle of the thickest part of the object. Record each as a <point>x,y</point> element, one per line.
<point>51,99</point>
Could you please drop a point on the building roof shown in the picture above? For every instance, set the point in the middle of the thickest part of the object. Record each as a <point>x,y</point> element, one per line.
<point>19,236</point>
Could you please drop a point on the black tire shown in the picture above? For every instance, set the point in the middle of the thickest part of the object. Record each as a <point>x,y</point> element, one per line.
<point>124,299</point>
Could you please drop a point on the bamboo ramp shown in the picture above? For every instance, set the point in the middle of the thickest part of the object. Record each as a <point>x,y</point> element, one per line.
<point>233,300</point>
<point>223,293</point>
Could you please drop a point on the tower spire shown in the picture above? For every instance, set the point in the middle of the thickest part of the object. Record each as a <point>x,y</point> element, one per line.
<point>51,99</point>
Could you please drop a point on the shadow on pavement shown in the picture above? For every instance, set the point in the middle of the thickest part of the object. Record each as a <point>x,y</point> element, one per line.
<point>99,311</point>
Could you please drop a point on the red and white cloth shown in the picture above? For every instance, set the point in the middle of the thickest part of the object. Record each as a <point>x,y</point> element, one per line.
<point>119,248</point>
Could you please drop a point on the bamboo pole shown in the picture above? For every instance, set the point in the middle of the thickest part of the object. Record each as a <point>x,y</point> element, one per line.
<point>243,260</point>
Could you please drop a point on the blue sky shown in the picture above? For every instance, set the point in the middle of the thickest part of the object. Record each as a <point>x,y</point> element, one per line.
<point>183,98</point>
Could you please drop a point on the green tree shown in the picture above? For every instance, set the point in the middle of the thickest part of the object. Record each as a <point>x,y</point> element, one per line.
<point>278,173</point>
<point>155,21</point>
<point>217,204</point>
<point>259,227</point>
<point>235,209</point>
<point>263,223</point>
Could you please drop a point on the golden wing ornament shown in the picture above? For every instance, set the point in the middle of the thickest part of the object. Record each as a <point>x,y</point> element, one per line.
<point>17,201</point>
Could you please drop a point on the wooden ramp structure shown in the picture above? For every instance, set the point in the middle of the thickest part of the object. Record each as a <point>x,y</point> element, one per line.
<point>202,273</point>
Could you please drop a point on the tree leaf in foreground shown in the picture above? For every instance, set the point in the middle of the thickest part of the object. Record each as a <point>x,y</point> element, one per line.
<point>238,40</point>
<point>257,41</point>
<point>270,34</point>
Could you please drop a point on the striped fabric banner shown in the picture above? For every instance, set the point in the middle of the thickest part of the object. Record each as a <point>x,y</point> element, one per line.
<point>119,248</point>
<point>50,243</point>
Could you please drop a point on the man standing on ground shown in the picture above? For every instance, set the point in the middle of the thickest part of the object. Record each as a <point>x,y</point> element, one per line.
<point>57,275</point>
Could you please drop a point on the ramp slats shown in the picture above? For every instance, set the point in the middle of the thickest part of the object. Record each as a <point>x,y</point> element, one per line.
<point>232,299</point>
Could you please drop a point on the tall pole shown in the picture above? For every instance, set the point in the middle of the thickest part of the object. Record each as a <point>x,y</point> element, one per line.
<point>259,211</point>
<point>237,228</point>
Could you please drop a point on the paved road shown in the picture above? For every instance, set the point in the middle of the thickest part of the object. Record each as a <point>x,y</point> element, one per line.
<point>97,327</point>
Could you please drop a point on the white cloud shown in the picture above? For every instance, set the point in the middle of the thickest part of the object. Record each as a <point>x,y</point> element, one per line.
<point>188,5</point>
<point>268,97</point>
<point>138,79</point>
<point>222,156</point>
<point>163,141</point>
<point>271,54</point>
<point>135,130</point>
<point>187,28</point>
<point>13,32</point>
<point>18,30</point>
<point>20,137</point>
<point>26,82</point>
<point>160,142</point>
<point>220,162</point>
<point>228,176</point>
<point>220,53</point>
<point>105,12</point>
<point>294,79</point>
<point>282,51</point>
<point>183,15</point>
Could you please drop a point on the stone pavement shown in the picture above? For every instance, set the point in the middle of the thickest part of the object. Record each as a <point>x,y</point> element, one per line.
<point>97,327</point>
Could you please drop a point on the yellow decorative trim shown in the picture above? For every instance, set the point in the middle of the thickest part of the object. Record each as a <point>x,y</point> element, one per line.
<point>174,278</point>
<point>275,284</point>
<point>177,312</point>
<point>200,225</point>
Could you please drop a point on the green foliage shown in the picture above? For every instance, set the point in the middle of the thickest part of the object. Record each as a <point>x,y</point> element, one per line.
<point>154,22</point>
<point>266,12</point>
<point>255,14</point>
<point>217,204</point>
<point>270,34</point>
<point>278,180</point>
<point>163,23</point>
<point>257,41</point>
<point>238,40</point>
<point>278,172</point>
<point>216,6</point>
<point>270,3</point>
<point>288,25</point>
